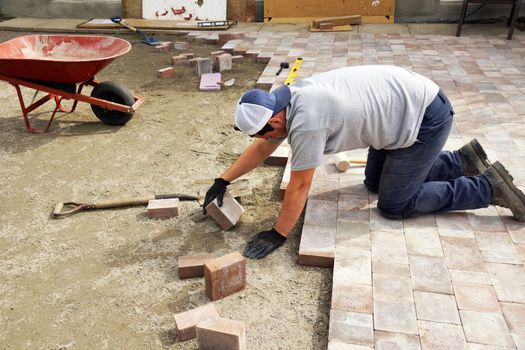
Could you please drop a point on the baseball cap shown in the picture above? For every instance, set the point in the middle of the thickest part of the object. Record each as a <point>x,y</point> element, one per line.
<point>257,106</point>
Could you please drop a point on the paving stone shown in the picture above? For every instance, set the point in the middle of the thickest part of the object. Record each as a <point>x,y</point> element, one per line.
<point>430,274</point>
<point>335,345</point>
<point>436,307</point>
<point>203,66</point>
<point>454,224</point>
<point>221,334</point>
<point>353,208</point>
<point>163,208</point>
<point>237,59</point>
<point>321,213</point>
<point>379,223</point>
<point>462,254</point>
<point>485,328</point>
<point>388,247</point>
<point>476,297</point>
<point>353,234</point>
<point>485,220</point>
<point>515,316</point>
<point>179,60</point>
<point>423,243</point>
<point>324,189</point>
<point>165,72</point>
<point>495,241</point>
<point>509,281</point>
<point>393,341</point>
<point>353,265</point>
<point>227,215</point>
<point>395,317</point>
<point>186,322</point>
<point>470,277</point>
<point>223,62</point>
<point>181,45</point>
<point>190,266</point>
<point>441,336</point>
<point>351,328</point>
<point>474,346</point>
<point>317,247</point>
<point>390,287</point>
<point>224,275</point>
<point>352,297</point>
<point>502,257</point>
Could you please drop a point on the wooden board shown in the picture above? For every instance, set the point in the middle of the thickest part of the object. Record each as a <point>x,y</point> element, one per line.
<point>103,23</point>
<point>339,21</point>
<point>347,28</point>
<point>131,8</point>
<point>200,10</point>
<point>328,8</point>
<point>309,20</point>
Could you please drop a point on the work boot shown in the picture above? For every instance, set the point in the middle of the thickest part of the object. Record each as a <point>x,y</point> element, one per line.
<point>475,159</point>
<point>504,192</point>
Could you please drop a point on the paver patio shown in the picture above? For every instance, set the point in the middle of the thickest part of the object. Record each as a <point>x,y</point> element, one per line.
<point>445,281</point>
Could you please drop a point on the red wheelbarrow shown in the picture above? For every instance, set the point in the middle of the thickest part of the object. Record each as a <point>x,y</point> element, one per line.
<point>55,64</point>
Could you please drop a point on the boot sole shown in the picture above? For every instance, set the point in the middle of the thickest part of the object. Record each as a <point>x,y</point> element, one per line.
<point>480,152</point>
<point>505,175</point>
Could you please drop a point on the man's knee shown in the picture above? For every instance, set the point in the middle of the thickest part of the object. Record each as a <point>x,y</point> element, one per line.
<point>394,212</point>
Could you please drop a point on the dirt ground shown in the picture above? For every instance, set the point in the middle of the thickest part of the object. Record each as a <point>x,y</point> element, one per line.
<point>108,279</point>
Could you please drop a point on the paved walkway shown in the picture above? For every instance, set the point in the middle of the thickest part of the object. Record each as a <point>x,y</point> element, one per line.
<point>447,281</point>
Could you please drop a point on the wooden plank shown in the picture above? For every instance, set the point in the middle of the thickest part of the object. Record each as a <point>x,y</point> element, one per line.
<point>309,20</point>
<point>328,8</point>
<point>131,8</point>
<point>347,28</point>
<point>339,21</point>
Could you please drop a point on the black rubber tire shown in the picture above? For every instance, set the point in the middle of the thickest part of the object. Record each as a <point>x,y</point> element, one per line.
<point>113,92</point>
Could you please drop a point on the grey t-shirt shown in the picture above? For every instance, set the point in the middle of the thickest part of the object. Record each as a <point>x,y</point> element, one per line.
<point>355,107</point>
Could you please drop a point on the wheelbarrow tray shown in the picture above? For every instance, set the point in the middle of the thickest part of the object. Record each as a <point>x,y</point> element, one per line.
<point>59,58</point>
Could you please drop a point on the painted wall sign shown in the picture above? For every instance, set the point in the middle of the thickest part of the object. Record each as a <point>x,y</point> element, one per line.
<point>199,10</point>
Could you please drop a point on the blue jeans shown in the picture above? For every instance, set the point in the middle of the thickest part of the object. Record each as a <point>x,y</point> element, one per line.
<point>422,178</point>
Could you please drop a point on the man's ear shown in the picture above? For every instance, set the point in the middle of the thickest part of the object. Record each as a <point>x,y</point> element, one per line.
<point>278,119</point>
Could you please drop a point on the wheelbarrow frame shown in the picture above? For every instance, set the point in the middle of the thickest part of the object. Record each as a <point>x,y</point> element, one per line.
<point>59,95</point>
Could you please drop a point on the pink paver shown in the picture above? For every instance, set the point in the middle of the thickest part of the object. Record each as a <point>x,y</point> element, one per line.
<point>210,82</point>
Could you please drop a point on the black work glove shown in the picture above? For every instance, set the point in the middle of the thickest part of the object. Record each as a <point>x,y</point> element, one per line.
<point>216,190</point>
<point>263,243</point>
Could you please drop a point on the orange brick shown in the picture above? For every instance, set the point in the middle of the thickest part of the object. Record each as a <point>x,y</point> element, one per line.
<point>221,334</point>
<point>227,215</point>
<point>225,275</point>
<point>165,72</point>
<point>163,47</point>
<point>163,208</point>
<point>237,58</point>
<point>179,60</point>
<point>193,265</point>
<point>186,322</point>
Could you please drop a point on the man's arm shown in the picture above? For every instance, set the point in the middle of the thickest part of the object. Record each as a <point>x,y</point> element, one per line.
<point>294,200</point>
<point>250,159</point>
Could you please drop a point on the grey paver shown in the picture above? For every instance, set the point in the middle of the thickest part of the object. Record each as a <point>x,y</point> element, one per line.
<point>476,297</point>
<point>390,341</point>
<point>351,328</point>
<point>509,281</point>
<point>395,317</point>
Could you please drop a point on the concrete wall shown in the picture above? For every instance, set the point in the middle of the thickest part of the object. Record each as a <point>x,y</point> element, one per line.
<point>60,8</point>
<point>406,10</point>
<point>444,11</point>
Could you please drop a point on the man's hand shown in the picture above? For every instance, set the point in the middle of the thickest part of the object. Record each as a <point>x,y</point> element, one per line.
<point>263,243</point>
<point>217,190</point>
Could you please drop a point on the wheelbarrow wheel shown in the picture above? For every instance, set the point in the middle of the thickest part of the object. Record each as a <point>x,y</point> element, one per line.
<point>112,92</point>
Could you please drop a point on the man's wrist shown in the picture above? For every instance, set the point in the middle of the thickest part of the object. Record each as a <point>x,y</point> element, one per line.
<point>220,179</point>
<point>285,235</point>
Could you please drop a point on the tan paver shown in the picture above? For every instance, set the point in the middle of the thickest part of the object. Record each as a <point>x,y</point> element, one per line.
<point>515,317</point>
<point>395,317</point>
<point>495,241</point>
<point>430,274</point>
<point>509,281</point>
<point>441,336</point>
<point>353,234</point>
<point>352,297</point>
<point>390,341</point>
<point>476,297</point>
<point>351,328</point>
<point>462,254</point>
<point>436,307</point>
<point>470,276</point>
<point>388,246</point>
<point>423,243</point>
<point>485,328</point>
<point>454,224</point>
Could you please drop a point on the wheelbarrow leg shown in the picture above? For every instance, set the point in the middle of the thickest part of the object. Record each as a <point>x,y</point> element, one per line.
<point>32,107</point>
